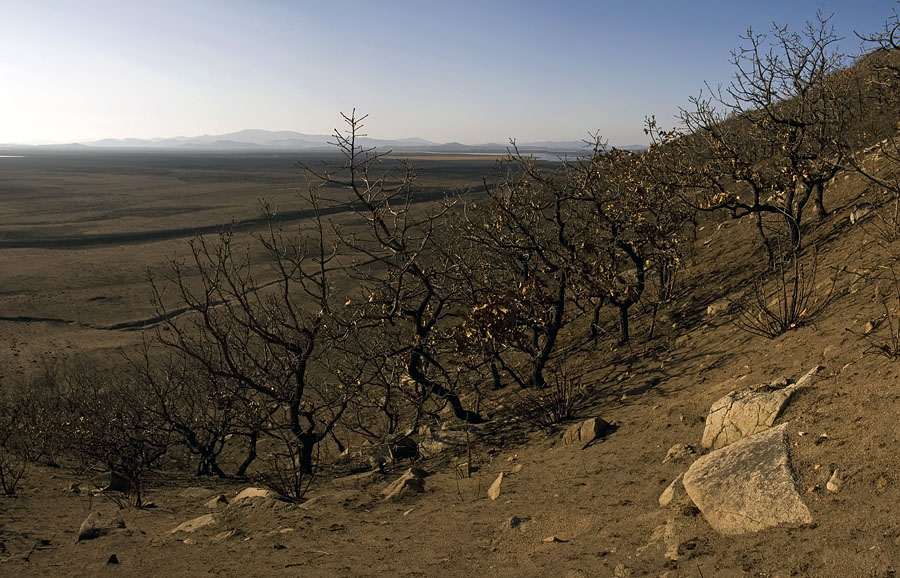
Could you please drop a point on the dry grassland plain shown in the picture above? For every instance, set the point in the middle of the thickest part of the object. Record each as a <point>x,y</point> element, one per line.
<point>80,231</point>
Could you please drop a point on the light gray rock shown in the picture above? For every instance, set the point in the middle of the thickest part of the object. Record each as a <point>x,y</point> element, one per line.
<point>194,492</point>
<point>742,413</point>
<point>718,307</point>
<point>96,525</point>
<point>258,493</point>
<point>585,432</point>
<point>494,490</point>
<point>412,481</point>
<point>664,535</point>
<point>197,523</point>
<point>748,486</point>
<point>672,492</point>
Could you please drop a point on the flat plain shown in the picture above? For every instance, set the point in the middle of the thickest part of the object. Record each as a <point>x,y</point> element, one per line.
<point>80,231</point>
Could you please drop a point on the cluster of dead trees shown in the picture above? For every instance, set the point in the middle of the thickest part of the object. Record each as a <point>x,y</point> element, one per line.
<point>389,309</point>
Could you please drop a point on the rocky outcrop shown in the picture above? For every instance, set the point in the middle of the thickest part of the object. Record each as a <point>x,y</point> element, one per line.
<point>748,486</point>
<point>745,412</point>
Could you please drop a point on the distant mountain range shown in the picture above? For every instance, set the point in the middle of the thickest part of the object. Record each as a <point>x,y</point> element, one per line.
<point>258,140</point>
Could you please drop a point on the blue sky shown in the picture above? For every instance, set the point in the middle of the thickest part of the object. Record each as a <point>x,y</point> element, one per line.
<point>468,71</point>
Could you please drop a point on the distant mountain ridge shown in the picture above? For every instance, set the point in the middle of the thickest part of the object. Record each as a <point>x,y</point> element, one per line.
<point>258,139</point>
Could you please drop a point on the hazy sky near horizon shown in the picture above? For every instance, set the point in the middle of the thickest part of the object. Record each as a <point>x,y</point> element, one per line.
<point>468,71</point>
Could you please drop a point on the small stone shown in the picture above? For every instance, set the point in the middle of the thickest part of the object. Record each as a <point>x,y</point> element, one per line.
<point>881,483</point>
<point>679,453</point>
<point>671,491</point>
<point>621,571</point>
<point>869,328</point>
<point>834,483</point>
<point>585,432</point>
<point>552,539</point>
<point>96,525</point>
<point>75,488</point>
<point>112,559</point>
<point>413,480</point>
<point>718,307</point>
<point>225,536</point>
<point>494,490</point>
<point>858,212</point>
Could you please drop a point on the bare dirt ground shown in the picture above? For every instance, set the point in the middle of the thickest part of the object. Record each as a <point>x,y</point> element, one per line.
<point>562,511</point>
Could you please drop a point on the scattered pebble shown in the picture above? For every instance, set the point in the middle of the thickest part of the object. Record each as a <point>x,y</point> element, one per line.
<point>834,483</point>
<point>550,539</point>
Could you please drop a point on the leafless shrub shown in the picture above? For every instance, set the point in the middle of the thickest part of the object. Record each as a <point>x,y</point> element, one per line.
<point>786,299</point>
<point>560,401</point>
<point>13,464</point>
<point>108,422</point>
<point>283,470</point>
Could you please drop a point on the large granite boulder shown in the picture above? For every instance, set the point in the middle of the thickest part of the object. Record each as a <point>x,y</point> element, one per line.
<point>745,412</point>
<point>748,486</point>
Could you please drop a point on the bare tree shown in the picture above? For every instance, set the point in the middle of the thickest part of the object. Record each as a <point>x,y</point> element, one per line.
<point>407,277</point>
<point>522,265</point>
<point>770,141</point>
<point>878,89</point>
<point>266,338</point>
<point>208,413</point>
<point>108,421</point>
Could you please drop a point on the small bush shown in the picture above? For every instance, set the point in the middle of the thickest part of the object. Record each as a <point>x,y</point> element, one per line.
<point>12,460</point>
<point>785,300</point>
<point>560,401</point>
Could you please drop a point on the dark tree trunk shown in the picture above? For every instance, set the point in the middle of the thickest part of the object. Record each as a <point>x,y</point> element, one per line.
<point>431,386</point>
<point>251,454</point>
